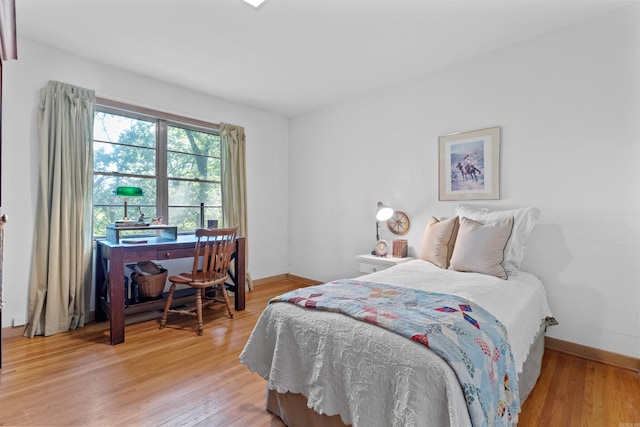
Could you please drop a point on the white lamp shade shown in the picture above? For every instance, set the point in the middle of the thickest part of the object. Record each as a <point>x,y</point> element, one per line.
<point>384,212</point>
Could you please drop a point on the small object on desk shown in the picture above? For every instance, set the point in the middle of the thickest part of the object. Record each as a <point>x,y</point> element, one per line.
<point>141,217</point>
<point>156,221</point>
<point>400,248</point>
<point>382,248</point>
<point>134,241</point>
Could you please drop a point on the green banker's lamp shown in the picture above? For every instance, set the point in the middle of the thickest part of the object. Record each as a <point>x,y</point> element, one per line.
<point>126,193</point>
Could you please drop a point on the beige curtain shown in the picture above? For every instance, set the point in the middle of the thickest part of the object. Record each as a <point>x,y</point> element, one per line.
<point>234,185</point>
<point>61,261</point>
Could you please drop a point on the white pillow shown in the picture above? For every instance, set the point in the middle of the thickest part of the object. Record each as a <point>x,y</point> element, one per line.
<point>480,248</point>
<point>523,222</point>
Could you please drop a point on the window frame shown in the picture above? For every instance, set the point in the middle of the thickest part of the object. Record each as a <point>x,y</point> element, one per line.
<point>163,121</point>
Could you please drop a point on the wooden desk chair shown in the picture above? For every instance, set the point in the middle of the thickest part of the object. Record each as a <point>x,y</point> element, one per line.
<point>215,247</point>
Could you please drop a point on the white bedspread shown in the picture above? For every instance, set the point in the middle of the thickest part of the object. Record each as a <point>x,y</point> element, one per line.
<point>373,377</point>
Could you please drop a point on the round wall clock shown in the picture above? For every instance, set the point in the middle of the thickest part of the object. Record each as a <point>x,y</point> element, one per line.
<point>398,223</point>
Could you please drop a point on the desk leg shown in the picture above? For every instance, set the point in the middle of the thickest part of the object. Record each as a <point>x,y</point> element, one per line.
<point>116,296</point>
<point>241,280</point>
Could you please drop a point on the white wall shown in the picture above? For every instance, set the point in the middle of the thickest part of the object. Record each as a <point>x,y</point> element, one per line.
<point>267,145</point>
<point>569,107</point>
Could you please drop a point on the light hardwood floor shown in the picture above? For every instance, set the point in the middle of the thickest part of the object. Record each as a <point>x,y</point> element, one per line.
<point>173,377</point>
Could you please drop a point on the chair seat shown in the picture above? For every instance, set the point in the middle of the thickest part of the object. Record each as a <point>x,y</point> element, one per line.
<point>182,278</point>
<point>199,282</point>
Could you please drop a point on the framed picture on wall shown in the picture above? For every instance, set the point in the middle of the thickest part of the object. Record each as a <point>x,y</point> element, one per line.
<point>470,165</point>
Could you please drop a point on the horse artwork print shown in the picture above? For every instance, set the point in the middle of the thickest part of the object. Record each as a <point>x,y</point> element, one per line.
<point>470,161</point>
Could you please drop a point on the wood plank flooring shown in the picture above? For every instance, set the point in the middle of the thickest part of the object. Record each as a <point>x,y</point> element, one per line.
<point>174,377</point>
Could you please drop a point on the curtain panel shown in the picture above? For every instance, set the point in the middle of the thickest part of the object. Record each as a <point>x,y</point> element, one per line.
<point>61,262</point>
<point>234,185</point>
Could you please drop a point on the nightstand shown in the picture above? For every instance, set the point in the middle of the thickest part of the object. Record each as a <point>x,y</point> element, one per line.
<point>371,263</point>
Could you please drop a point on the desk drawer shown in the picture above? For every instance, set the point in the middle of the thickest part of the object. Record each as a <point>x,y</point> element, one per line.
<point>139,254</point>
<point>365,267</point>
<point>174,253</point>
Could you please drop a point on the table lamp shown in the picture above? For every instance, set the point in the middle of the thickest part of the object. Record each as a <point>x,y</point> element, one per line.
<point>126,193</point>
<point>383,213</point>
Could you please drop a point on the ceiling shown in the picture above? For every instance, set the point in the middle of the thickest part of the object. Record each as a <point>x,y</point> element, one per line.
<point>290,56</point>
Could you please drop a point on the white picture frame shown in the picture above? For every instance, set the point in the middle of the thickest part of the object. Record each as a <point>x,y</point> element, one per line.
<point>469,165</point>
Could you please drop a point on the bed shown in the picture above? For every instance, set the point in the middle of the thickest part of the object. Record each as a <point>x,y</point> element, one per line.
<point>327,367</point>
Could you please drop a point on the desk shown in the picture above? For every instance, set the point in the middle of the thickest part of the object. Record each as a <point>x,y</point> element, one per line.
<point>109,275</point>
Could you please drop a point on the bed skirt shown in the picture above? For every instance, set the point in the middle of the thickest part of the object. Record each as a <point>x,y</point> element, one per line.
<point>292,408</point>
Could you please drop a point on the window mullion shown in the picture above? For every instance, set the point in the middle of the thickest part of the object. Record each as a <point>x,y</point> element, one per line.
<point>162,187</point>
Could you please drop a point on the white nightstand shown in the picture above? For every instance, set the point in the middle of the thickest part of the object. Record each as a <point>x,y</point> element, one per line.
<point>371,263</point>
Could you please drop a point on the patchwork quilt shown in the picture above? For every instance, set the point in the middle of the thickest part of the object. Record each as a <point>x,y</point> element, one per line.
<point>471,340</point>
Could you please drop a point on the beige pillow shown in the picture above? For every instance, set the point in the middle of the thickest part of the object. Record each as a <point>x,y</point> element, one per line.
<point>480,248</point>
<point>438,240</point>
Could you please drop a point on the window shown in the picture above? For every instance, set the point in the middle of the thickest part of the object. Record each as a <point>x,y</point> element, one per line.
<point>176,162</point>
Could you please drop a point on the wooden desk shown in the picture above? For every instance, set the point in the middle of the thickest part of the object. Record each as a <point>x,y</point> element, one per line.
<point>109,276</point>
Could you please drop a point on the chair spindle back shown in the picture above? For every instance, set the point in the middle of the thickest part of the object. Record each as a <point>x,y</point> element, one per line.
<point>215,247</point>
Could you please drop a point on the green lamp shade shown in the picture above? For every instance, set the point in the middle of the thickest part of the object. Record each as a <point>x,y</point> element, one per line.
<point>129,192</point>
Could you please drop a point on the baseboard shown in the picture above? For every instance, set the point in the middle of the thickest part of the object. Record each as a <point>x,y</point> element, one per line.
<point>270,279</point>
<point>11,331</point>
<point>303,280</point>
<point>286,276</point>
<point>593,354</point>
